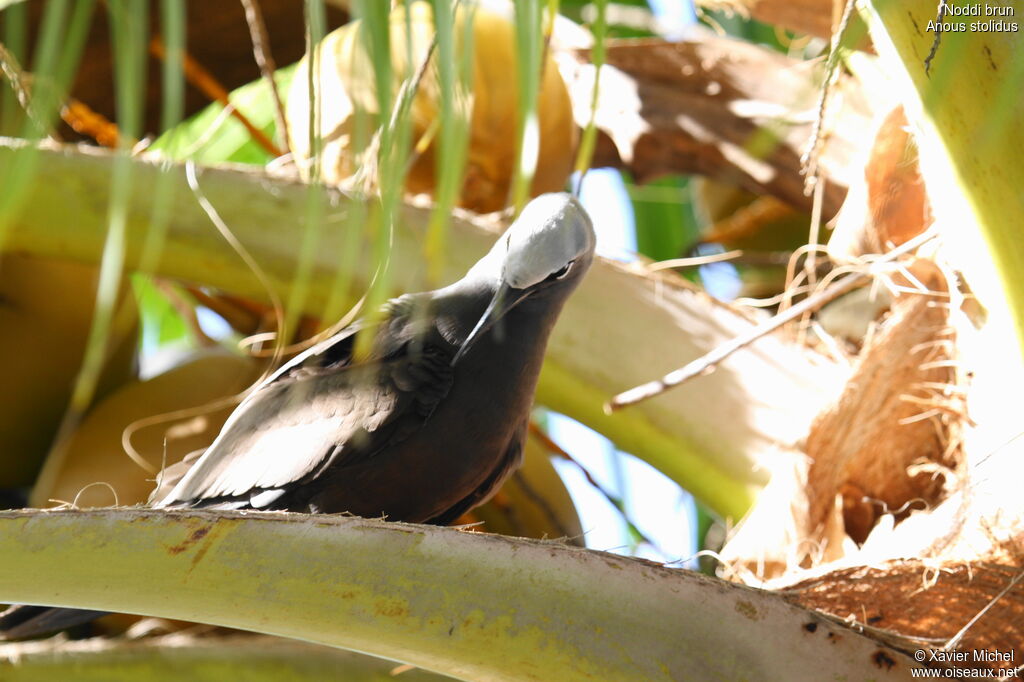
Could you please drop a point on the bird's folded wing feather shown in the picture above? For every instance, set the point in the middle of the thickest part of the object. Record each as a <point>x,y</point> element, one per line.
<point>319,410</point>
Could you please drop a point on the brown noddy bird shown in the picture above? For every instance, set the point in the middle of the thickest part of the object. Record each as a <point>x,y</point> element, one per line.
<point>424,429</point>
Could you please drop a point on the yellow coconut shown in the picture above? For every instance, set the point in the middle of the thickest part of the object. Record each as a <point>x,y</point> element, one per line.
<point>94,468</point>
<point>346,85</point>
<point>46,308</point>
<point>534,503</point>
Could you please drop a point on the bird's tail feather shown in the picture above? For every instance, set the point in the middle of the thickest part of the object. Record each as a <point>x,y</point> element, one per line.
<point>23,621</point>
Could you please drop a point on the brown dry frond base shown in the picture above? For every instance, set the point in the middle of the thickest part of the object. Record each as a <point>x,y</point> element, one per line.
<point>891,442</point>
<point>923,605</point>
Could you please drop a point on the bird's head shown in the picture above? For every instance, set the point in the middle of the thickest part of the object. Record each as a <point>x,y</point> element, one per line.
<point>547,249</point>
<point>551,240</point>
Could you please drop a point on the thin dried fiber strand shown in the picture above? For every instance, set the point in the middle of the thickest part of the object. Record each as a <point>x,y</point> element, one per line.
<point>708,361</point>
<point>243,253</point>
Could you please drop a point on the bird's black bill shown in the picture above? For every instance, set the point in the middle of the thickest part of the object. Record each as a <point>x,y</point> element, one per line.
<point>504,300</point>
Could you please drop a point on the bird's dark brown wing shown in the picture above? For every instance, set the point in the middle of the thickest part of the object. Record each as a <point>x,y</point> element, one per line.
<point>320,411</point>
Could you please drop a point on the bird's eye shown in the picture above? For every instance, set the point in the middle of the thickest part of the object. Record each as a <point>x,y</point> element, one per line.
<point>561,272</point>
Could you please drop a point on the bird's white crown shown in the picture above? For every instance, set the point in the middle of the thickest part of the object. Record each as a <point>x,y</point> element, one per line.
<point>552,232</point>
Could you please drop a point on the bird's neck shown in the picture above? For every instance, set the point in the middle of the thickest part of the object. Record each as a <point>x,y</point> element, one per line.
<point>522,332</point>
<point>457,307</point>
